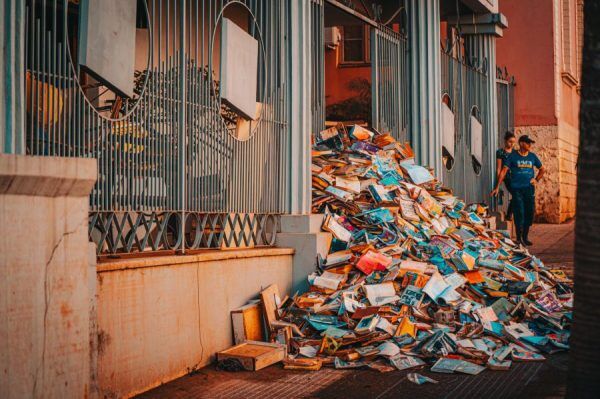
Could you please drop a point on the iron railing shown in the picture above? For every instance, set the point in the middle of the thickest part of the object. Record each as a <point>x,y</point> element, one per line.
<point>171,174</point>
<point>505,89</point>
<point>463,84</point>
<point>389,82</point>
<point>317,15</point>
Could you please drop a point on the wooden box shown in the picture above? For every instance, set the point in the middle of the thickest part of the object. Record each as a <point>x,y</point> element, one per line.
<point>247,323</point>
<point>254,355</point>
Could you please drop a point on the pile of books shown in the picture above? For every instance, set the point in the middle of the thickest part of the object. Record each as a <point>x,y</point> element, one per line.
<point>414,277</point>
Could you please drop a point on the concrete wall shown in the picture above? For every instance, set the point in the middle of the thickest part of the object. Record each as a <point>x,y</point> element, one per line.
<point>339,77</point>
<point>44,270</point>
<point>527,50</point>
<point>159,318</point>
<point>303,233</point>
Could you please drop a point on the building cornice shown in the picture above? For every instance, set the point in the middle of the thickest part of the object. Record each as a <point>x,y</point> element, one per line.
<point>480,24</point>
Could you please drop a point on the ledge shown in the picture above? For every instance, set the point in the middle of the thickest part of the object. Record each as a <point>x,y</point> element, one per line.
<point>569,79</point>
<point>46,176</point>
<point>109,265</point>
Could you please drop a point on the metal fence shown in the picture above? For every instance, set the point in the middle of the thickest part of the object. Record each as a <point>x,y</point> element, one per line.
<point>505,89</point>
<point>389,75</point>
<point>317,15</point>
<point>171,174</point>
<point>389,71</point>
<point>463,85</point>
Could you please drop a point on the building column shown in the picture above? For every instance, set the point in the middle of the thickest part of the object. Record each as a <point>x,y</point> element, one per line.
<point>12,92</point>
<point>300,230</point>
<point>300,53</point>
<point>425,81</point>
<point>47,277</point>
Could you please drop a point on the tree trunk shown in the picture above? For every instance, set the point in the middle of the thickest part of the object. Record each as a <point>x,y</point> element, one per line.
<point>584,361</point>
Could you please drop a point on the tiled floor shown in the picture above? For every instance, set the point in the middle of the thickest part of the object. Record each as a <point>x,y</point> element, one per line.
<point>552,243</point>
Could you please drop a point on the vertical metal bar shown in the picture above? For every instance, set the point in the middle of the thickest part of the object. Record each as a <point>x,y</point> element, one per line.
<point>210,119</point>
<point>61,85</point>
<point>169,105</point>
<point>203,108</point>
<point>152,155</point>
<point>31,63</point>
<point>374,80</point>
<point>182,120</point>
<point>35,82</point>
<point>56,89</point>
<point>164,115</point>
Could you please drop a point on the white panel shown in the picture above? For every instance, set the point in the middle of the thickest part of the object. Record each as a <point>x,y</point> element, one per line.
<point>332,36</point>
<point>477,139</point>
<point>448,133</point>
<point>107,42</point>
<point>239,66</point>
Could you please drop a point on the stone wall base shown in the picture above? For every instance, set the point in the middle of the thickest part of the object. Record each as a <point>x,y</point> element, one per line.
<point>557,147</point>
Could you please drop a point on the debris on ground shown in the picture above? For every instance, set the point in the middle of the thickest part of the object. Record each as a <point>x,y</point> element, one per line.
<point>420,379</point>
<point>413,278</point>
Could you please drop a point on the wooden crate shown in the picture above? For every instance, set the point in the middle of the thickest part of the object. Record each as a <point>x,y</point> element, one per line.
<point>247,323</point>
<point>254,355</point>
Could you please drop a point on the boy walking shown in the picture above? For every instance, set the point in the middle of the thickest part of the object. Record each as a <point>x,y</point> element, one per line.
<point>521,164</point>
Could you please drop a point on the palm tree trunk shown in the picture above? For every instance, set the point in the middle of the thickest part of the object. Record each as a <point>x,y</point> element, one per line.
<point>584,361</point>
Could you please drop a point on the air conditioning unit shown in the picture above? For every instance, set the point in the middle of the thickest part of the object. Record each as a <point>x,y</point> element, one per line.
<point>332,37</point>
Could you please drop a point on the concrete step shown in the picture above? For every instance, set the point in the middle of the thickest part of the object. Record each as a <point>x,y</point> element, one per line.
<point>303,233</point>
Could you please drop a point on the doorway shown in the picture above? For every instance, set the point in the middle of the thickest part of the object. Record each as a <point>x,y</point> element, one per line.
<point>360,73</point>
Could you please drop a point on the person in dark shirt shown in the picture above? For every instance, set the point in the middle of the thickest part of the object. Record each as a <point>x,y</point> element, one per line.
<point>521,165</point>
<point>501,158</point>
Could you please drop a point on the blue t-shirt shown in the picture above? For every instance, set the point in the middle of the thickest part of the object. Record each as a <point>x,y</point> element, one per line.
<point>521,169</point>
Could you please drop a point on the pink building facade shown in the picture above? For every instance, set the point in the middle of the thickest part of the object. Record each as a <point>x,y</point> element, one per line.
<point>544,55</point>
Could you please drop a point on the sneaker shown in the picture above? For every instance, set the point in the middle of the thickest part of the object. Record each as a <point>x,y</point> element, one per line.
<point>526,242</point>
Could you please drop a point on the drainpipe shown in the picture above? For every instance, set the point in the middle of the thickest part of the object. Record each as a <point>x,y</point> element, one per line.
<point>425,82</point>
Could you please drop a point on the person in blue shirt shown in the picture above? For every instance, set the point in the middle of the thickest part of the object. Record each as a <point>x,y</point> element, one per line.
<point>521,165</point>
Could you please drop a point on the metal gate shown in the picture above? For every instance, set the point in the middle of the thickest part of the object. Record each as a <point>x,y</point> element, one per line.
<point>389,82</point>
<point>505,89</point>
<point>463,85</point>
<point>171,174</point>
<point>389,75</point>
<point>317,16</point>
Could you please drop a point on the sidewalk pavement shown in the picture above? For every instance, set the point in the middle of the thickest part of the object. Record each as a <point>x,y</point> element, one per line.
<point>553,244</point>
